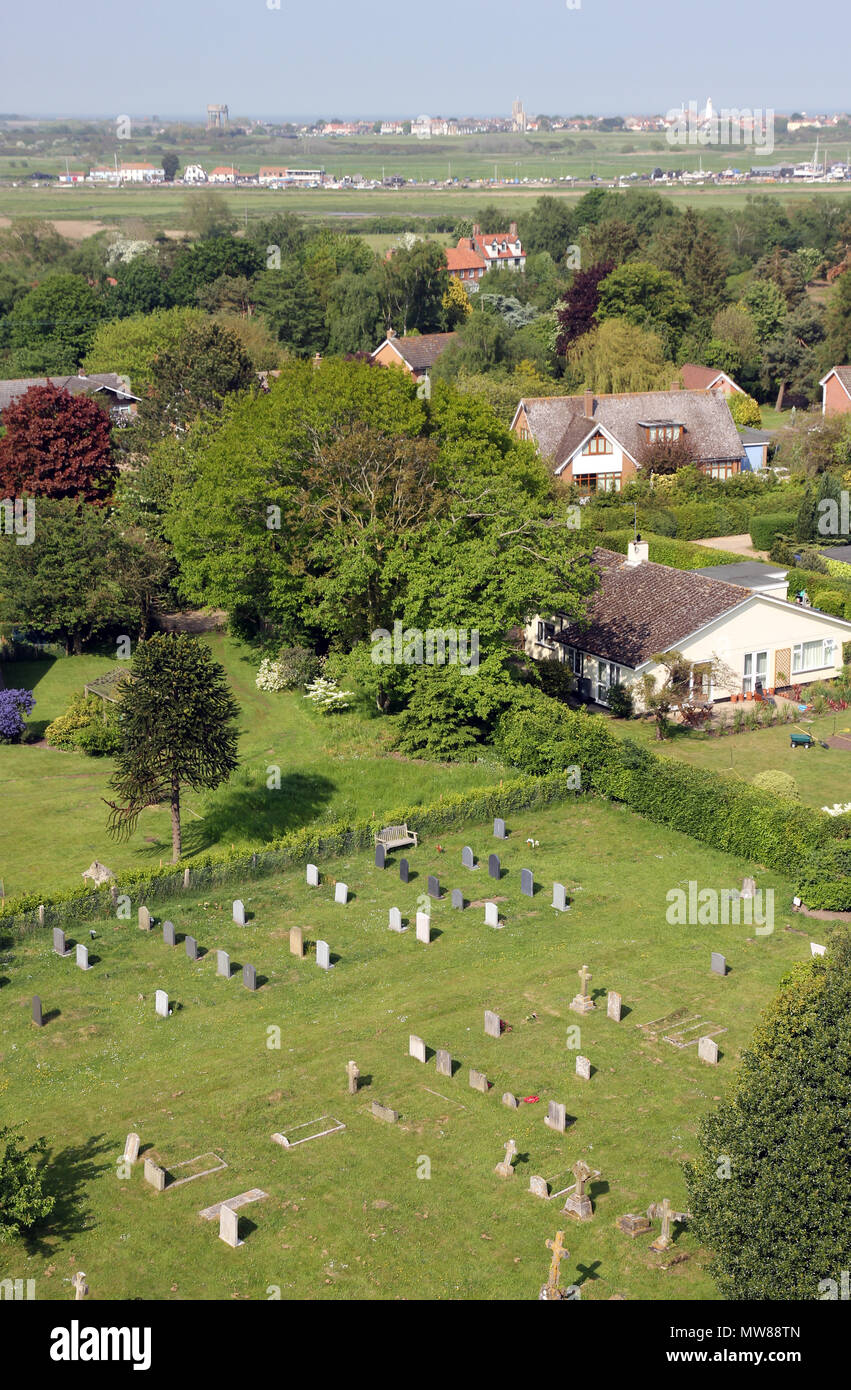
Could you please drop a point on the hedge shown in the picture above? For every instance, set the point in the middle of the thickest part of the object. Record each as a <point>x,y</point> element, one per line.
<point>312,842</point>
<point>764,528</point>
<point>680,555</point>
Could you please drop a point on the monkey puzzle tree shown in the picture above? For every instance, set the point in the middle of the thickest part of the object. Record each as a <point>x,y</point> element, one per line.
<point>176,716</point>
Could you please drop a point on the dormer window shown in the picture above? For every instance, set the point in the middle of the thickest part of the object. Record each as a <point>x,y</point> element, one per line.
<point>661,431</point>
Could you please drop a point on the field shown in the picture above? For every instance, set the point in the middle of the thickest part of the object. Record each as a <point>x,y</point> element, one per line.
<point>411,1210</point>
<point>54,817</point>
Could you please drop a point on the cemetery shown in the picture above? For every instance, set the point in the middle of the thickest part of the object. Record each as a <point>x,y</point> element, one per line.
<point>361,1108</point>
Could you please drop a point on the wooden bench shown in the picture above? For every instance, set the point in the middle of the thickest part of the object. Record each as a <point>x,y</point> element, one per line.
<point>395,837</point>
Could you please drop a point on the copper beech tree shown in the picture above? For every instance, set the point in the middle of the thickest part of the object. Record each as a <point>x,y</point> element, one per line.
<point>56,445</point>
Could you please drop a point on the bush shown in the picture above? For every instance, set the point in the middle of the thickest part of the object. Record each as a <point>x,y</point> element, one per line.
<point>293,668</point>
<point>830,601</point>
<point>100,739</point>
<point>620,701</point>
<point>778,783</point>
<point>87,725</point>
<point>764,528</point>
<point>680,555</point>
<point>745,411</point>
<point>14,704</point>
<point>556,678</point>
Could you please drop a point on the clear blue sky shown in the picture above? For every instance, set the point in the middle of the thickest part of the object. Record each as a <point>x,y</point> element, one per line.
<point>441,57</point>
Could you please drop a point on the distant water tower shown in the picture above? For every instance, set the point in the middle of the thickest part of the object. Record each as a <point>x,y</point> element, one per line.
<point>217,118</point>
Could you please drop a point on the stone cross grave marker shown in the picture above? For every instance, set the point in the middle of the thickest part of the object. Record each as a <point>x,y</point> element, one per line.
<point>423,927</point>
<point>297,941</point>
<point>352,1077</point>
<point>323,955</point>
<point>312,876</point>
<point>707,1050</point>
<point>416,1048</point>
<point>527,883</point>
<point>249,977</point>
<point>499,828</point>
<point>539,1187</point>
<point>718,963</point>
<point>161,1003</point>
<point>505,1169</point>
<point>668,1216</point>
<point>191,947</point>
<point>443,1061</point>
<point>81,1288</point>
<point>559,897</point>
<point>239,912</point>
<point>583,1068</point>
<point>37,1016</point>
<point>458,898</point>
<point>229,1227</point>
<point>478,1081</point>
<point>83,958</point>
<point>341,892</point>
<point>578,1203</point>
<point>556,1116</point>
<point>169,936</point>
<point>144,919</point>
<point>613,1005</point>
<point>582,1003</point>
<point>394,922</point>
<point>380,855</point>
<point>551,1288</point>
<point>494,868</point>
<point>492,1024</point>
<point>404,871</point>
<point>433,886</point>
<point>468,859</point>
<point>154,1175</point>
<point>491,915</point>
<point>59,947</point>
<point>131,1148</point>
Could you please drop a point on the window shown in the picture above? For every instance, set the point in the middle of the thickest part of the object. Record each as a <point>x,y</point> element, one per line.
<point>719,470</point>
<point>585,483</point>
<point>607,674</point>
<point>812,656</point>
<point>666,432</point>
<point>546,632</point>
<point>598,445</point>
<point>573,657</point>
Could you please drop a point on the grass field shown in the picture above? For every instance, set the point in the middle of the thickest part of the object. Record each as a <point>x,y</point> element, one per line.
<point>351,1215</point>
<point>54,818</point>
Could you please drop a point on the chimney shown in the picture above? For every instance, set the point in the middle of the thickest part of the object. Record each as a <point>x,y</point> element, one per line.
<point>512,230</point>
<point>638,552</point>
<point>589,405</point>
<point>391,333</point>
<point>476,229</point>
<point>675,385</point>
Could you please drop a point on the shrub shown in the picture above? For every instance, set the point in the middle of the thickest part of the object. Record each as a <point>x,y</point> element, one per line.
<point>745,411</point>
<point>680,555</point>
<point>293,668</point>
<point>778,783</point>
<point>830,601</point>
<point>99,739</point>
<point>85,712</point>
<point>620,701</point>
<point>23,1201</point>
<point>764,528</point>
<point>14,704</point>
<point>556,678</point>
<point>326,695</point>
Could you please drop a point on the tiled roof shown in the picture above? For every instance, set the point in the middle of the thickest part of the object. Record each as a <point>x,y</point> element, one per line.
<point>640,610</point>
<point>555,422</point>
<point>423,351</point>
<point>74,385</point>
<point>844,375</point>
<point>487,241</point>
<point>461,258</point>
<point>697,378</point>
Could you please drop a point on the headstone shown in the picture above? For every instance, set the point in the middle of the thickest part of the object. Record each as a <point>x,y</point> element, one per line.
<point>478,1081</point>
<point>249,977</point>
<point>229,1227</point>
<point>578,1203</point>
<point>403,870</point>
<point>395,920</point>
<point>131,1148</point>
<point>491,915</point>
<point>556,1116</point>
<point>505,1169</point>
<point>59,946</point>
<point>748,888</point>
<point>492,1024</point>
<point>527,883</point>
<point>323,955</point>
<point>433,886</point>
<point>38,1019</point>
<point>161,1003</point>
<point>383,1112</point>
<point>239,912</point>
<point>817,950</point>
<point>297,941</point>
<point>499,828</point>
<point>416,1048</point>
<point>494,869</point>
<point>187,875</point>
<point>312,876</point>
<point>144,919</point>
<point>341,892</point>
<point>613,1005</point>
<point>468,859</point>
<point>718,963</point>
<point>191,947</point>
<point>583,1068</point>
<point>582,1003</point>
<point>707,1050</point>
<point>41,914</point>
<point>539,1187</point>
<point>169,936</point>
<point>380,855</point>
<point>154,1175</point>
<point>81,1288</point>
<point>559,897</point>
<point>458,898</point>
<point>443,1060</point>
<point>668,1217</point>
<point>352,1077</point>
<point>223,964</point>
<point>509,1100</point>
<point>83,958</point>
<point>633,1225</point>
<point>423,927</point>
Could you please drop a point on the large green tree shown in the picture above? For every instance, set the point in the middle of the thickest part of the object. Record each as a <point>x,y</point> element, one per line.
<point>647,297</point>
<point>177,719</point>
<point>23,1200</point>
<point>50,329</point>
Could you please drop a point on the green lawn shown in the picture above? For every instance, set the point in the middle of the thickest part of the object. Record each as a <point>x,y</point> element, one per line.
<point>54,817</point>
<point>823,775</point>
<point>349,1216</point>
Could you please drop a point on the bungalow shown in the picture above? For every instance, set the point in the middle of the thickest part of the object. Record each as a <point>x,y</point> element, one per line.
<point>122,402</point>
<point>415,354</point>
<point>696,378</point>
<point>836,391</point>
<point>732,636</point>
<point>596,442</point>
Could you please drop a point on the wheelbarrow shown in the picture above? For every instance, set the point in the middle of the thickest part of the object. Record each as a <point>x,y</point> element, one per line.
<point>801,741</point>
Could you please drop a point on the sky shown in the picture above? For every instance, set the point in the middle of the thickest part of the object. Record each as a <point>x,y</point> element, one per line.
<point>281,60</point>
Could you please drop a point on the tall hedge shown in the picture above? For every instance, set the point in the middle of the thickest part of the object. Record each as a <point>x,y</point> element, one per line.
<point>680,555</point>
<point>764,528</point>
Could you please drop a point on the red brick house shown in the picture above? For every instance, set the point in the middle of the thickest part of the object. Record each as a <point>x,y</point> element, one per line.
<point>415,354</point>
<point>836,391</point>
<point>696,378</point>
<point>464,263</point>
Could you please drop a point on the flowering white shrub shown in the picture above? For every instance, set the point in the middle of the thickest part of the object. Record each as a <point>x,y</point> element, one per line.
<point>270,676</point>
<point>838,809</point>
<point>125,250</point>
<point>326,695</point>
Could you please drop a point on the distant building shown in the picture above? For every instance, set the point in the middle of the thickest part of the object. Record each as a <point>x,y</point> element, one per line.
<point>122,402</point>
<point>415,354</point>
<point>140,173</point>
<point>217,117</point>
<point>223,173</point>
<point>193,173</point>
<point>697,378</point>
<point>518,116</point>
<point>501,249</point>
<point>836,391</point>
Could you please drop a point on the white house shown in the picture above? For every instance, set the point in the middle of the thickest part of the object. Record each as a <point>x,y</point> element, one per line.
<point>193,173</point>
<point>733,636</point>
<point>140,173</point>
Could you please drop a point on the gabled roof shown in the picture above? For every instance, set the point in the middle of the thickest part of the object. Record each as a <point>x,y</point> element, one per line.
<point>485,245</point>
<point>463,257</point>
<point>559,423</point>
<point>420,351</point>
<point>75,386</point>
<point>640,610</point>
<point>697,378</point>
<point>843,376</point>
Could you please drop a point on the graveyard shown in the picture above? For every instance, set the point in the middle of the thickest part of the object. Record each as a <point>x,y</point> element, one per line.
<point>339,1085</point>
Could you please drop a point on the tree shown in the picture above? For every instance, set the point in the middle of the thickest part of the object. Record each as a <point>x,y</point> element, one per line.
<point>837,343</point>
<point>617,356</point>
<point>50,329</point>
<point>774,1160</point>
<point>745,411</point>
<point>648,297</point>
<point>690,249</point>
<point>170,164</point>
<point>23,1200</point>
<point>207,213</point>
<point>456,304</point>
<point>56,445</point>
<point>177,718</point>
<point>766,306</point>
<point>576,313</point>
<point>207,364</point>
<point>140,287</point>
<point>548,227</point>
<point>205,261</point>
<point>482,344</point>
<point>292,308</point>
<point>678,685</point>
<point>664,455</point>
<point>354,314</point>
<point>790,361</point>
<point>414,283</point>
<point>610,240</point>
<point>131,346</point>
